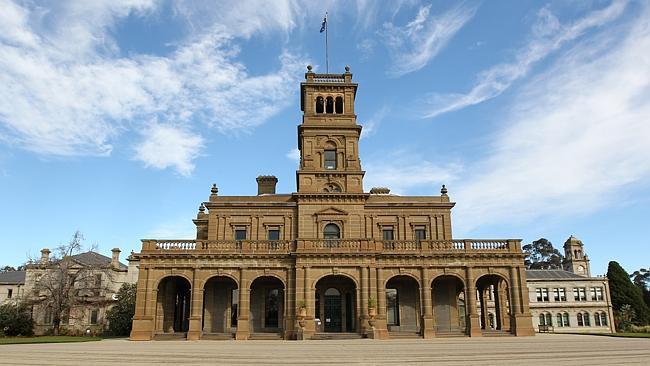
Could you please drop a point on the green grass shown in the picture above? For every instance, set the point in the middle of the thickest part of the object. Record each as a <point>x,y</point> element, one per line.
<point>622,335</point>
<point>47,339</point>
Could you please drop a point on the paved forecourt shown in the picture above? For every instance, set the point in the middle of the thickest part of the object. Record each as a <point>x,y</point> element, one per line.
<point>549,349</point>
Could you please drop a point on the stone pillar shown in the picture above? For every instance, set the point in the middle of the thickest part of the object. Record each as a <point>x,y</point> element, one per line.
<point>483,301</point>
<point>473,323</point>
<point>196,311</point>
<point>143,325</point>
<point>521,322</point>
<point>381,329</point>
<point>309,296</point>
<point>365,294</point>
<point>208,293</point>
<point>243,330</point>
<point>502,314</point>
<point>428,330</point>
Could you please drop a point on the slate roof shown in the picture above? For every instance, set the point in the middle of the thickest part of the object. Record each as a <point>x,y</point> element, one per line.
<point>551,274</point>
<point>94,259</point>
<point>12,278</point>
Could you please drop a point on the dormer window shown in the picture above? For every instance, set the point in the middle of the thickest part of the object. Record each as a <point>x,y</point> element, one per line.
<point>330,160</point>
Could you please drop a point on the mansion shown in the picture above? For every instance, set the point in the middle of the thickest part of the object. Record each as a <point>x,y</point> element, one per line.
<point>331,259</point>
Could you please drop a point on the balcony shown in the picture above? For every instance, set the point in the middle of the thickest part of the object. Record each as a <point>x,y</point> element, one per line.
<point>364,246</point>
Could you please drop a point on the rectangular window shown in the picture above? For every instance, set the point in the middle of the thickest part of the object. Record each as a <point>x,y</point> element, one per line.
<point>330,159</point>
<point>98,280</point>
<point>596,294</point>
<point>10,293</point>
<point>387,234</point>
<point>392,307</point>
<point>542,294</point>
<point>274,234</point>
<point>94,315</point>
<point>580,294</point>
<point>420,233</point>
<point>240,234</point>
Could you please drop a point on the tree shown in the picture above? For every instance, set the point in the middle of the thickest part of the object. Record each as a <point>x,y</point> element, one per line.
<point>120,317</point>
<point>541,254</point>
<point>641,279</point>
<point>12,269</point>
<point>15,320</point>
<point>624,292</point>
<point>64,286</point>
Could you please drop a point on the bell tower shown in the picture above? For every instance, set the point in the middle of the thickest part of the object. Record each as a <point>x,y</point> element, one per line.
<point>328,137</point>
<point>575,259</point>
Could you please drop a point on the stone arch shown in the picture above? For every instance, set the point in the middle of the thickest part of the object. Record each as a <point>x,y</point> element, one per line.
<point>403,303</point>
<point>330,273</point>
<point>267,303</point>
<point>212,275</point>
<point>173,303</point>
<point>403,274</point>
<point>220,304</point>
<point>164,276</point>
<point>493,290</point>
<point>273,274</point>
<point>448,293</point>
<point>458,276</point>
<point>337,310</point>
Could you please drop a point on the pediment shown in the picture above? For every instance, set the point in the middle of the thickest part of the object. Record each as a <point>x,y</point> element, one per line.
<point>331,211</point>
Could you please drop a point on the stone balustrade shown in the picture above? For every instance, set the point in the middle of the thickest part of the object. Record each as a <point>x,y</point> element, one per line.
<point>332,246</point>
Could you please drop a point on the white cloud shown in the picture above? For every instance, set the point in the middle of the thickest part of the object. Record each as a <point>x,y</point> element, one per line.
<point>577,136</point>
<point>293,154</point>
<point>64,90</point>
<point>370,126</point>
<point>168,146</point>
<point>413,45</point>
<point>404,172</point>
<point>548,36</point>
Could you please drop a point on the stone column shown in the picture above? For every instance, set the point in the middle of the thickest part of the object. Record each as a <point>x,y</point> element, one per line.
<point>381,329</point>
<point>503,318</point>
<point>143,324</point>
<point>428,330</point>
<point>521,322</point>
<point>473,323</point>
<point>365,294</point>
<point>483,301</point>
<point>196,311</point>
<point>309,296</point>
<point>208,295</point>
<point>243,330</point>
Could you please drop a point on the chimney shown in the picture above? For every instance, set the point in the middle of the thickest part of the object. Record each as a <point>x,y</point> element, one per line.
<point>45,255</point>
<point>266,184</point>
<point>115,262</point>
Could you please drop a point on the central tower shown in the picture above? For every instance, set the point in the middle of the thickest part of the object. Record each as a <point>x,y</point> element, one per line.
<point>328,138</point>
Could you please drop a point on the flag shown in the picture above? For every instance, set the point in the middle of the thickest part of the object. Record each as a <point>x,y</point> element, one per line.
<point>324,25</point>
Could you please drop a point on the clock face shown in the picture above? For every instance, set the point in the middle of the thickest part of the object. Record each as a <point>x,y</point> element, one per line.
<point>581,269</point>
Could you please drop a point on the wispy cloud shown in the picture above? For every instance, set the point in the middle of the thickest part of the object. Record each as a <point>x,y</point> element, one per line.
<point>547,36</point>
<point>413,45</point>
<point>576,137</point>
<point>167,146</point>
<point>370,126</point>
<point>64,89</point>
<point>293,154</point>
<point>404,171</point>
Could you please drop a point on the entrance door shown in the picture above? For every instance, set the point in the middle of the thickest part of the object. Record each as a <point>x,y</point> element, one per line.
<point>333,311</point>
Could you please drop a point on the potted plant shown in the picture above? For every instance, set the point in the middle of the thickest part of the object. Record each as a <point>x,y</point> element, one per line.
<point>302,308</point>
<point>372,307</point>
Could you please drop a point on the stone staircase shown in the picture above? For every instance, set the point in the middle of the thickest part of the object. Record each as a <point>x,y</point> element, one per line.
<point>404,335</point>
<point>179,336</point>
<point>448,332</point>
<point>496,333</point>
<point>335,336</point>
<point>265,336</point>
<point>218,336</point>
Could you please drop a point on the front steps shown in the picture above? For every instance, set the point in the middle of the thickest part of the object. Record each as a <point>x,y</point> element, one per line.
<point>496,333</point>
<point>179,336</point>
<point>265,336</point>
<point>218,336</point>
<point>404,335</point>
<point>336,336</point>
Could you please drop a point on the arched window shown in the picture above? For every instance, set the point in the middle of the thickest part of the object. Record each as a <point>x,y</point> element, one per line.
<point>566,322</point>
<point>580,321</point>
<point>549,319</point>
<point>542,319</point>
<point>587,321</point>
<point>331,231</point>
<point>339,105</point>
<point>329,105</point>
<point>597,319</point>
<point>558,319</point>
<point>603,319</point>
<point>491,320</point>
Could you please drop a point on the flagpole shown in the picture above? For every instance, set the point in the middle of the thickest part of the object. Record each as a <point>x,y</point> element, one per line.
<point>327,60</point>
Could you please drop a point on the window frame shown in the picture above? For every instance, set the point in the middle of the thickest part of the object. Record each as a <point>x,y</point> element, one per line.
<point>274,230</point>
<point>329,159</point>
<point>419,229</point>
<point>239,229</point>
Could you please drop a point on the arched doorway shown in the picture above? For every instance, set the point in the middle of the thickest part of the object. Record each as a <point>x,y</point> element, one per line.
<point>335,304</point>
<point>266,305</point>
<point>449,309</point>
<point>220,302</point>
<point>493,303</point>
<point>173,304</point>
<point>403,304</point>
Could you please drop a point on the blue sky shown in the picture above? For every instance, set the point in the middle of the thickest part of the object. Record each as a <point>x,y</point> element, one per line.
<point>117,116</point>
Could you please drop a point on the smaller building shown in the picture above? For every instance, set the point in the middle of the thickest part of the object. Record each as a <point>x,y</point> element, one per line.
<point>95,290</point>
<point>569,299</point>
<point>12,286</point>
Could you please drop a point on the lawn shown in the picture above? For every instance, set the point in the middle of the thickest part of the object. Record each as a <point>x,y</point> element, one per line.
<point>46,339</point>
<point>623,335</point>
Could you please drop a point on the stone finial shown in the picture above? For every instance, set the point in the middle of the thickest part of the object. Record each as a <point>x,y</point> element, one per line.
<point>201,208</point>
<point>214,190</point>
<point>347,68</point>
<point>309,67</point>
<point>443,190</point>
